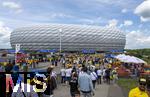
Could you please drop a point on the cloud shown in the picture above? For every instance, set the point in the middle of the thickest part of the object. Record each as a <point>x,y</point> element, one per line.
<point>145,19</point>
<point>143,10</point>
<point>4,35</point>
<point>137,39</point>
<point>12,6</point>
<point>60,15</point>
<point>124,10</point>
<point>126,23</point>
<point>112,23</point>
<point>3,29</point>
<point>92,21</point>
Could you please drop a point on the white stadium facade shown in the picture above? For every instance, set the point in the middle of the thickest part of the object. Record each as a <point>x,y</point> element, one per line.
<point>68,37</point>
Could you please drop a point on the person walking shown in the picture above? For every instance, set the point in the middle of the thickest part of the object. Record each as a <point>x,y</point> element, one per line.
<point>104,75</point>
<point>85,84</point>
<point>9,82</point>
<point>140,90</point>
<point>2,68</point>
<point>94,77</point>
<point>68,74</point>
<point>15,74</point>
<point>99,73</point>
<point>108,71</point>
<point>51,83</point>
<point>74,91</point>
<point>62,73</point>
<point>114,75</point>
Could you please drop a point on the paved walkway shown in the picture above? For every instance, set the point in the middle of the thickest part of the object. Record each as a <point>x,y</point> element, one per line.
<point>41,67</point>
<point>102,90</point>
<point>115,91</point>
<point>63,91</point>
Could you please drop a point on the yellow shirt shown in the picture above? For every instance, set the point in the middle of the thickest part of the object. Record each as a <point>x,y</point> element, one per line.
<point>137,93</point>
<point>5,63</point>
<point>97,65</point>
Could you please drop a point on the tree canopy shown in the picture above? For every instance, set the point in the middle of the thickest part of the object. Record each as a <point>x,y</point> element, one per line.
<point>140,53</point>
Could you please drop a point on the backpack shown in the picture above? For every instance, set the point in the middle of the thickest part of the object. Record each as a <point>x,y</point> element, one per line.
<point>51,85</point>
<point>53,82</point>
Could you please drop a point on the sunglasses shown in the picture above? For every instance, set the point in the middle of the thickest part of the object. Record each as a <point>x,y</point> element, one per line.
<point>142,84</point>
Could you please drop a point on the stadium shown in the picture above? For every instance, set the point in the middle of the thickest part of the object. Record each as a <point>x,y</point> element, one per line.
<point>68,37</point>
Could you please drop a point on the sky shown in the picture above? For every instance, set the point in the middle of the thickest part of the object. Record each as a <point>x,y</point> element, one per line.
<point>130,16</point>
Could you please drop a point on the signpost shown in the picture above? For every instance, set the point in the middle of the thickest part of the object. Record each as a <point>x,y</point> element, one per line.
<point>17,49</point>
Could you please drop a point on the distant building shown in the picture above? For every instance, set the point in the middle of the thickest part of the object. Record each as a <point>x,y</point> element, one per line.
<point>72,37</point>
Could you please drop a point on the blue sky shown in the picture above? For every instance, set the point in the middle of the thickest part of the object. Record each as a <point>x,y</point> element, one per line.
<point>131,16</point>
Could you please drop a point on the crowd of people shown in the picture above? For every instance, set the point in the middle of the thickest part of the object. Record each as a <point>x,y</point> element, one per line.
<point>82,72</point>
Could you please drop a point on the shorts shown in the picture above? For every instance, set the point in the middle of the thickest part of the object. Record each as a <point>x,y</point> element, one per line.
<point>73,94</point>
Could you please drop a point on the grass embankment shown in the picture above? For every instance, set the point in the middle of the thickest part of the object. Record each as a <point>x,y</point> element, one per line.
<point>127,84</point>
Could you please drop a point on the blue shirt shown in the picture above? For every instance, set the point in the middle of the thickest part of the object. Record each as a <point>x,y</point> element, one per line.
<point>85,82</point>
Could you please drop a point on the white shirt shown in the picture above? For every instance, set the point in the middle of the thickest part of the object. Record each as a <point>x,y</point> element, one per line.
<point>80,73</point>
<point>99,72</point>
<point>68,72</point>
<point>93,75</point>
<point>63,61</point>
<point>54,74</point>
<point>62,71</point>
<point>104,72</point>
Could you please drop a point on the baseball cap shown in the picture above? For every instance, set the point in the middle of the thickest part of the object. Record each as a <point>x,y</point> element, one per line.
<point>142,81</point>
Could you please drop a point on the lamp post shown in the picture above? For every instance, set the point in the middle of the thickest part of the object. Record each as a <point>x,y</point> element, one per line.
<point>60,31</point>
<point>17,49</point>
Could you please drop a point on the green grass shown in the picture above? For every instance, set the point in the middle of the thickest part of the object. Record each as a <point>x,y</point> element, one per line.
<point>127,83</point>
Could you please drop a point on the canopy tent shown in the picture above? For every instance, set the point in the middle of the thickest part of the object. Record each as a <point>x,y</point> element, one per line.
<point>13,51</point>
<point>116,51</point>
<point>86,51</point>
<point>129,59</point>
<point>3,60</point>
<point>47,51</point>
<point>109,56</point>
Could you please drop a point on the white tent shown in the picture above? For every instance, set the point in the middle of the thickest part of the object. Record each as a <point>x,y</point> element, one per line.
<point>129,59</point>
